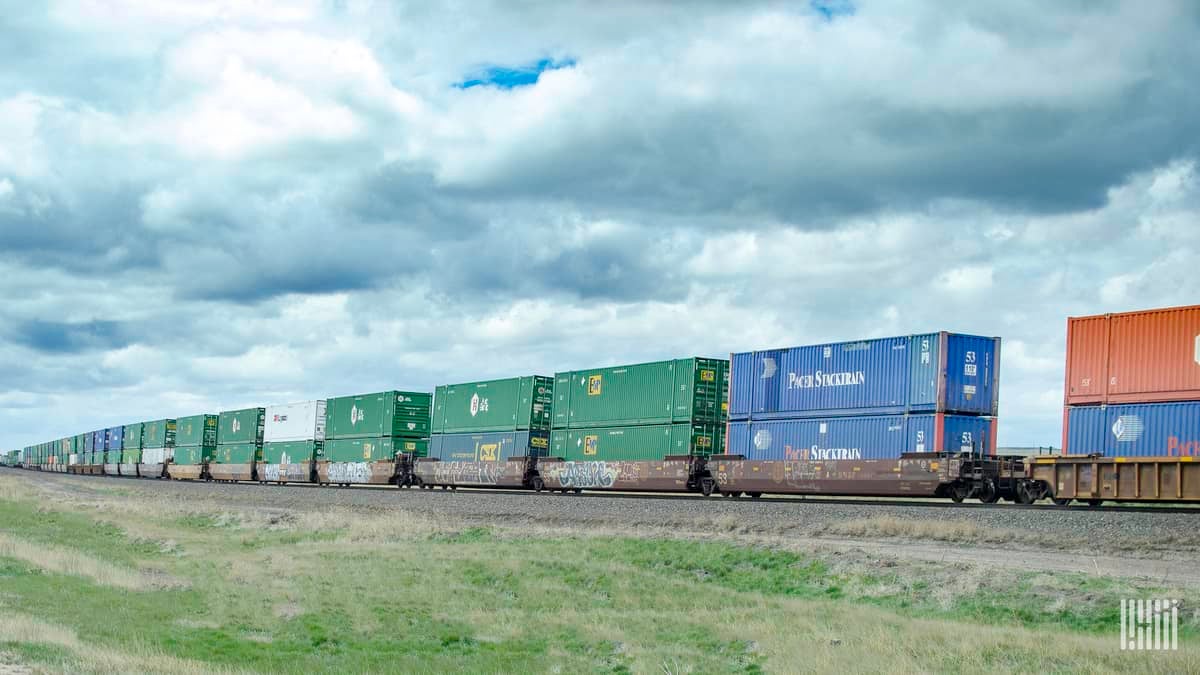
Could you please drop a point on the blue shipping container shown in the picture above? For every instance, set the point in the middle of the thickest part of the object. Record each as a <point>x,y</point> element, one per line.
<point>88,442</point>
<point>935,372</point>
<point>855,438</point>
<point>1134,430</point>
<point>114,438</point>
<point>98,440</point>
<point>495,446</point>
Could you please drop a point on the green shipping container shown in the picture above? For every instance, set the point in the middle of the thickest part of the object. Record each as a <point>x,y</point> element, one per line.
<point>512,404</point>
<point>662,392</point>
<point>161,434</point>
<point>389,413</point>
<point>633,443</point>
<point>297,452</point>
<point>132,449</point>
<point>194,430</point>
<point>238,453</point>
<point>193,454</point>
<point>373,449</point>
<point>241,426</point>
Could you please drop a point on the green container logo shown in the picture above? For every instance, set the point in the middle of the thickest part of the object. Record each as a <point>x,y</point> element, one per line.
<point>478,405</point>
<point>237,426</point>
<point>357,415</point>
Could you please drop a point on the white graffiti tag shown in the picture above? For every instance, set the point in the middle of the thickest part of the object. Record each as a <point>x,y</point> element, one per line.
<point>587,475</point>
<point>349,472</point>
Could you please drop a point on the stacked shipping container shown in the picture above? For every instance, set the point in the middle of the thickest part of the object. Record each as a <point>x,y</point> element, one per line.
<point>195,444</point>
<point>866,399</point>
<point>158,448</point>
<point>365,433</point>
<point>642,412</point>
<point>1133,384</point>
<point>239,444</point>
<point>493,420</point>
<point>293,438</point>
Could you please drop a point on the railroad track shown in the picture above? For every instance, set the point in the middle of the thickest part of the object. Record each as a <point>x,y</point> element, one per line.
<point>771,499</point>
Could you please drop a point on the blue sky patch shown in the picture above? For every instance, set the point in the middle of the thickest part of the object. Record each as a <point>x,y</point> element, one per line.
<point>832,9</point>
<point>506,77</point>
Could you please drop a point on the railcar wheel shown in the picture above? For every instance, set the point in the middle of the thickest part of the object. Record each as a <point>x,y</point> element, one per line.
<point>707,486</point>
<point>537,484</point>
<point>988,494</point>
<point>1095,502</point>
<point>1022,494</point>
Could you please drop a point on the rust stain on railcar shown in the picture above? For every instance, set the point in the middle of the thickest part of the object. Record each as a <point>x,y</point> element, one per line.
<point>890,477</point>
<point>656,475</point>
<point>508,473</point>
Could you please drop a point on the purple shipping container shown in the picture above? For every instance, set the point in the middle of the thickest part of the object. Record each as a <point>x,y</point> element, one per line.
<point>1134,430</point>
<point>934,372</point>
<point>855,438</point>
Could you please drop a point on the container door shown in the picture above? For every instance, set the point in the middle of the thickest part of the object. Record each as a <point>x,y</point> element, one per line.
<point>769,381</point>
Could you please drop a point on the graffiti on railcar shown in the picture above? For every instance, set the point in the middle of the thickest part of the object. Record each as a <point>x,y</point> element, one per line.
<point>587,474</point>
<point>349,472</point>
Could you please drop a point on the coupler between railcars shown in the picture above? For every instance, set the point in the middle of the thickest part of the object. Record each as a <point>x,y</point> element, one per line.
<point>992,478</point>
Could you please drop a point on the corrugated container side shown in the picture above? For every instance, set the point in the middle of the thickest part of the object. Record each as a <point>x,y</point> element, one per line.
<point>301,421</point>
<point>373,449</point>
<point>161,433</point>
<point>1134,357</point>
<point>1134,430</point>
<point>859,438</point>
<point>934,372</point>
<point>290,452</point>
<point>196,430</point>
<point>510,404</point>
<point>388,413</point>
<point>240,426</point>
<point>647,442</point>
<point>660,392</point>
<point>238,453</point>
<point>489,446</point>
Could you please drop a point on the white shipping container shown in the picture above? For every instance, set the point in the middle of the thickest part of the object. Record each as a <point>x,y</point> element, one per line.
<point>304,421</point>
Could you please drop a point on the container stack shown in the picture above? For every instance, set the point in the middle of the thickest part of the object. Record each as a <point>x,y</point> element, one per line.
<point>131,453</point>
<point>365,433</point>
<point>642,412</point>
<point>96,453</point>
<point>1133,384</point>
<point>114,443</point>
<point>158,448</point>
<point>293,438</point>
<point>239,444</point>
<point>867,399</point>
<point>195,445</point>
<point>493,420</point>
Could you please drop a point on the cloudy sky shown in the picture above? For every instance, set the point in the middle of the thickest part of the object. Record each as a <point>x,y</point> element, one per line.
<point>212,204</point>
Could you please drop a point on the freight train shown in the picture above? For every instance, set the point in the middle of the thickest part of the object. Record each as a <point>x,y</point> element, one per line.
<point>907,416</point>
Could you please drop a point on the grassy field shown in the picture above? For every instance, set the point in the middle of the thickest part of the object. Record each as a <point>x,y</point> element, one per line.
<point>114,582</point>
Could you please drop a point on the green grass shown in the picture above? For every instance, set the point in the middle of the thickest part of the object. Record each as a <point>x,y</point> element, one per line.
<point>476,599</point>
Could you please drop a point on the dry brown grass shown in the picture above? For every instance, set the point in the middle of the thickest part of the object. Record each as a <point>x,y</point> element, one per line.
<point>960,531</point>
<point>95,658</point>
<point>66,561</point>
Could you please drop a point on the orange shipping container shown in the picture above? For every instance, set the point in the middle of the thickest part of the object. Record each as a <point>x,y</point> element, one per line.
<point>1134,357</point>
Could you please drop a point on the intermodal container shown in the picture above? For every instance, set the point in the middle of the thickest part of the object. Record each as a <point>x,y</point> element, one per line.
<point>241,426</point>
<point>303,421</point>
<point>89,441</point>
<point>389,413</point>
<point>512,404</point>
<point>132,450</point>
<point>98,438</point>
<point>161,434</point>
<point>291,452</point>
<point>1136,357</point>
<point>238,453</point>
<point>495,446</point>
<point>933,372</point>
<point>1133,430</point>
<point>645,442</point>
<point>373,449</point>
<point>856,438</point>
<point>661,392</point>
<point>196,430</point>
<point>114,439</point>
